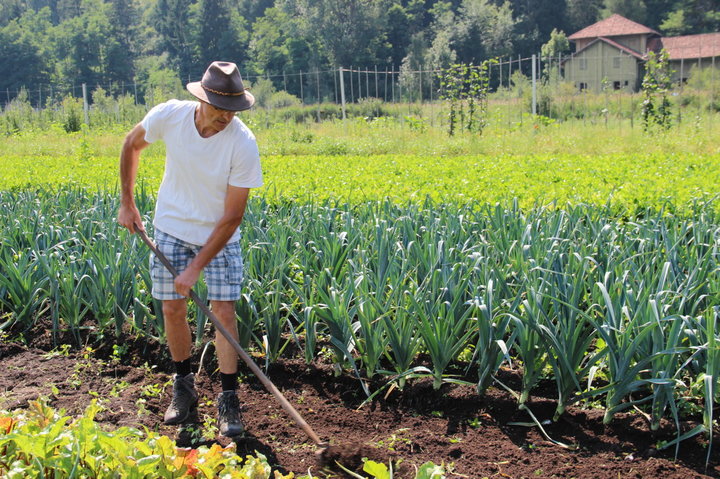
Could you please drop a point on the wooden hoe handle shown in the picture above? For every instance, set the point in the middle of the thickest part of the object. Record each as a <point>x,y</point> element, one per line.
<point>241,352</point>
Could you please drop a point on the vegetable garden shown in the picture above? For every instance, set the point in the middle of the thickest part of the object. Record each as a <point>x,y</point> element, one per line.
<point>596,292</point>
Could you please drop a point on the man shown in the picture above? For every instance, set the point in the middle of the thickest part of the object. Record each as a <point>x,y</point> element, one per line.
<point>211,163</point>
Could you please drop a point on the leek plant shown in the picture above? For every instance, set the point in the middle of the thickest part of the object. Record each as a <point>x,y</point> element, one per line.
<point>493,344</point>
<point>23,288</point>
<point>403,338</point>
<point>528,342</point>
<point>443,312</point>
<point>568,337</point>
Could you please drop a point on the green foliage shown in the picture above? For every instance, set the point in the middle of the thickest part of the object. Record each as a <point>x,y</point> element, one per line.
<point>558,44</point>
<point>79,447</point>
<point>73,114</point>
<point>656,86</point>
<point>466,89</point>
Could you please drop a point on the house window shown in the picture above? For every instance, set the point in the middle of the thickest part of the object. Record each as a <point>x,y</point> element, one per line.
<point>616,85</point>
<point>583,86</point>
<point>583,63</point>
<point>617,62</point>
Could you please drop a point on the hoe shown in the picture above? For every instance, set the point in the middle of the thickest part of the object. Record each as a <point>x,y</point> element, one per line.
<point>325,453</point>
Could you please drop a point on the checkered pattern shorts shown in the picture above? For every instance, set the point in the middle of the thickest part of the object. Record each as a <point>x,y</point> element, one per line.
<point>223,275</point>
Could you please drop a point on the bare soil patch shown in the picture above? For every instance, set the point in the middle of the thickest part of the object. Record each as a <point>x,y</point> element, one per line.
<point>471,435</point>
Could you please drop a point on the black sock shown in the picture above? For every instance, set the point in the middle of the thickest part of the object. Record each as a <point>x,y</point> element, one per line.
<point>229,381</point>
<point>183,368</point>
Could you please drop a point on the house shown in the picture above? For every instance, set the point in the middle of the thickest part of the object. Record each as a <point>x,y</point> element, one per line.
<point>612,54</point>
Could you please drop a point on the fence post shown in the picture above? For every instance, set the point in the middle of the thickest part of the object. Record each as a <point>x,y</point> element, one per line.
<point>342,92</point>
<point>302,96</point>
<point>367,82</point>
<point>317,78</point>
<point>392,82</point>
<point>86,107</point>
<point>534,86</point>
<point>377,94</point>
<point>352,86</point>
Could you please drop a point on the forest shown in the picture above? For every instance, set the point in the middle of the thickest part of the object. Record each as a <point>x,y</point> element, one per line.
<point>164,43</point>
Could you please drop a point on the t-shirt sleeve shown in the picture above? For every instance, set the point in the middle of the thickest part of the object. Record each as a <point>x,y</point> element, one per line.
<point>245,171</point>
<point>155,121</point>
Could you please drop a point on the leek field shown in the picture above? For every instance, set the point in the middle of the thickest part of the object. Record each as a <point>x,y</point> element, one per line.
<point>588,256</point>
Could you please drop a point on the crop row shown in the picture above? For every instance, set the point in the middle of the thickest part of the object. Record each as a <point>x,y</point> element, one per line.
<point>630,181</point>
<point>614,308</point>
<point>80,447</point>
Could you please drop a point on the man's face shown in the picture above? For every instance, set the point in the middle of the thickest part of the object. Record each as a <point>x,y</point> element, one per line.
<point>217,118</point>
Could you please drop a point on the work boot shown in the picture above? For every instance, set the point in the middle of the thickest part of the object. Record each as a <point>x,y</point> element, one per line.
<point>184,400</point>
<point>229,420</point>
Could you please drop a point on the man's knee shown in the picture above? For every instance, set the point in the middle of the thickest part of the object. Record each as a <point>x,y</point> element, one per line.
<point>175,310</point>
<point>224,310</point>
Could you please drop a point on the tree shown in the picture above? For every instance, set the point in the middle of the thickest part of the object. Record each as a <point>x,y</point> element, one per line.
<point>534,20</point>
<point>84,45</point>
<point>351,32</point>
<point>692,16</point>
<point>398,32</point>
<point>173,20</point>
<point>219,34</point>
<point>581,13</point>
<point>280,44</point>
<point>558,44</point>
<point>634,10</point>
<point>120,57</point>
<point>22,54</point>
<point>483,30</point>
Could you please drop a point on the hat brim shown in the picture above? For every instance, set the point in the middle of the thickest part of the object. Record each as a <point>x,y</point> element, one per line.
<point>225,102</point>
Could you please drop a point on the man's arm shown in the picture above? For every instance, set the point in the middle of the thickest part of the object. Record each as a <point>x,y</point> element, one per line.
<point>235,202</point>
<point>134,143</point>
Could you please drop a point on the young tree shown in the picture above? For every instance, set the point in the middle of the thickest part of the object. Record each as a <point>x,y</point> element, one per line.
<point>557,45</point>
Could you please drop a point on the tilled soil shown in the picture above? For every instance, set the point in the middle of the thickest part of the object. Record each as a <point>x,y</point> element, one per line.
<point>472,436</point>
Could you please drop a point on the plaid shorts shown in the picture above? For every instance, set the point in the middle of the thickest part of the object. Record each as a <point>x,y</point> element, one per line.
<point>223,275</point>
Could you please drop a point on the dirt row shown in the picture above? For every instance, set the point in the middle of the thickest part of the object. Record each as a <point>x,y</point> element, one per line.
<point>472,436</point>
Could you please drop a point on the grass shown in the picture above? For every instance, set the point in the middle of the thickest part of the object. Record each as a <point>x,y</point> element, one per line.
<point>360,160</point>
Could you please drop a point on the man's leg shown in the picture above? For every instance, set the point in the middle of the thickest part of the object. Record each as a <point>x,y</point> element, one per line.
<point>226,353</point>
<point>229,420</point>
<point>177,329</point>
<point>179,339</point>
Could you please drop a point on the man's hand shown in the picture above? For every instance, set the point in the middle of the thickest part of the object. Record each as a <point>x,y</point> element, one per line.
<point>129,216</point>
<point>186,280</point>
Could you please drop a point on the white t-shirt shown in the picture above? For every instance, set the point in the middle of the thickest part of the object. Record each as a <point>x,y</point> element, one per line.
<point>198,170</point>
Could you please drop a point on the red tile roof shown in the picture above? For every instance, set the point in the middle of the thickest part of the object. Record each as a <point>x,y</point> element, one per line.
<point>705,45</point>
<point>613,26</point>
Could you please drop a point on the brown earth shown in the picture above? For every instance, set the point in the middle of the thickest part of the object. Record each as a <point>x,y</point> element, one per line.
<point>472,436</point>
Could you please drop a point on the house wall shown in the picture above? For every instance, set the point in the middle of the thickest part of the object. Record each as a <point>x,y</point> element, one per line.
<point>587,69</point>
<point>634,42</point>
<point>686,66</point>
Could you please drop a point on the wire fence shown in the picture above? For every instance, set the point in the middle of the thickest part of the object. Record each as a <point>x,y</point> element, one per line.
<point>557,84</point>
